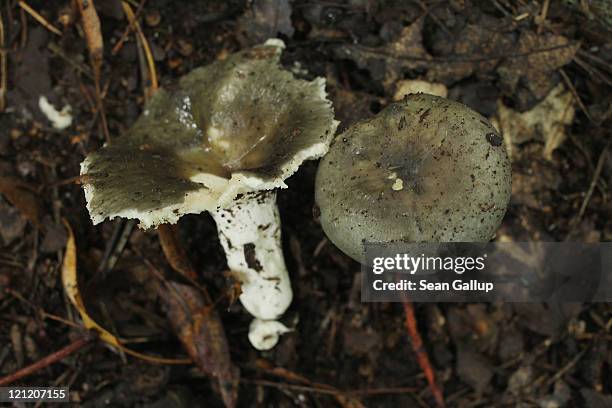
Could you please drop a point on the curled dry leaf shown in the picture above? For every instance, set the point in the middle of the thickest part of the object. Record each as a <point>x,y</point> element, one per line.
<point>546,121</point>
<point>195,320</point>
<point>71,288</point>
<point>20,195</point>
<point>199,328</point>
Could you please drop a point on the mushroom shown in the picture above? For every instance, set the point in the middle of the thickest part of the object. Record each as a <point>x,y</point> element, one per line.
<point>426,169</point>
<point>221,140</point>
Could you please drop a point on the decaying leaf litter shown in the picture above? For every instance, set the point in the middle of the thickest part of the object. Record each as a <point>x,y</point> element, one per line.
<point>541,70</point>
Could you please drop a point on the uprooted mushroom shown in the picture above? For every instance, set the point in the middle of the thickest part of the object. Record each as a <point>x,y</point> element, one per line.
<point>222,140</point>
<point>426,169</point>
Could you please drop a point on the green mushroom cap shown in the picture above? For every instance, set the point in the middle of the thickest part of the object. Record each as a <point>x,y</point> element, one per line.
<point>236,126</point>
<point>426,169</point>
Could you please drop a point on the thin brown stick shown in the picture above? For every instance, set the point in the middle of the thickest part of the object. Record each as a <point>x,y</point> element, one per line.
<point>23,36</point>
<point>79,66</point>
<point>541,19</point>
<point>95,44</point>
<point>333,391</point>
<point>39,18</point>
<point>598,169</point>
<point>419,350</point>
<point>569,84</point>
<point>128,30</point>
<point>43,314</point>
<point>592,70</point>
<point>50,359</point>
<point>147,49</point>
<point>462,58</point>
<point>3,68</point>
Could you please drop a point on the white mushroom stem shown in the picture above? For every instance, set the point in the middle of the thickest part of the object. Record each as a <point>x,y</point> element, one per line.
<point>250,233</point>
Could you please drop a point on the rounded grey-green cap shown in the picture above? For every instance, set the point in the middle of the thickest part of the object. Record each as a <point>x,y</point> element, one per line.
<point>426,169</point>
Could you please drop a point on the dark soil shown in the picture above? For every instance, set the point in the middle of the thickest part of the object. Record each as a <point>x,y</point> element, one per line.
<point>485,52</point>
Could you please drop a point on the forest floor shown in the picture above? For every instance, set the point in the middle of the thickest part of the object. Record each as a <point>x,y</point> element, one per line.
<point>541,70</point>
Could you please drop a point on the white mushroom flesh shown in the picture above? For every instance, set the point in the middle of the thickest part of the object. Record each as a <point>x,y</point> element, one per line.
<point>264,334</point>
<point>250,234</point>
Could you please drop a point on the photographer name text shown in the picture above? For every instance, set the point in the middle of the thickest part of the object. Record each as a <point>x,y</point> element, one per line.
<point>425,285</point>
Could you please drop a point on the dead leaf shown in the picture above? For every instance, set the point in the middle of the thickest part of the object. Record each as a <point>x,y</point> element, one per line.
<point>537,56</point>
<point>21,196</point>
<point>200,330</point>
<point>195,320</point>
<point>174,252</point>
<point>12,223</point>
<point>71,288</point>
<point>546,122</point>
<point>388,63</point>
<point>540,52</point>
<point>476,48</point>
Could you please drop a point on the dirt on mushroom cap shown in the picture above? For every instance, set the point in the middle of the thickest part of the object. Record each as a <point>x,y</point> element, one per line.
<point>426,169</point>
<point>231,127</point>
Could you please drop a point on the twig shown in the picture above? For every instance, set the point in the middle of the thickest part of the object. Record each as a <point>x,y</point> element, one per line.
<point>541,19</point>
<point>569,84</point>
<point>55,49</point>
<point>603,63</point>
<point>592,70</point>
<point>598,169</point>
<point>462,58</point>
<point>95,44</point>
<point>561,372</point>
<point>433,17</point>
<point>50,359</point>
<point>147,50</point>
<point>127,31</point>
<point>2,67</point>
<point>114,249</point>
<point>39,18</point>
<point>331,390</point>
<point>419,350</point>
<point>23,36</point>
<point>43,314</point>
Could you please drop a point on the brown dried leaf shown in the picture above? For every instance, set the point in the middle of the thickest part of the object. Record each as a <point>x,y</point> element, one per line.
<point>540,53</point>
<point>199,328</point>
<point>546,121</point>
<point>174,251</point>
<point>389,62</point>
<point>20,195</point>
<point>477,48</point>
<point>70,282</point>
<point>537,55</point>
<point>194,319</point>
